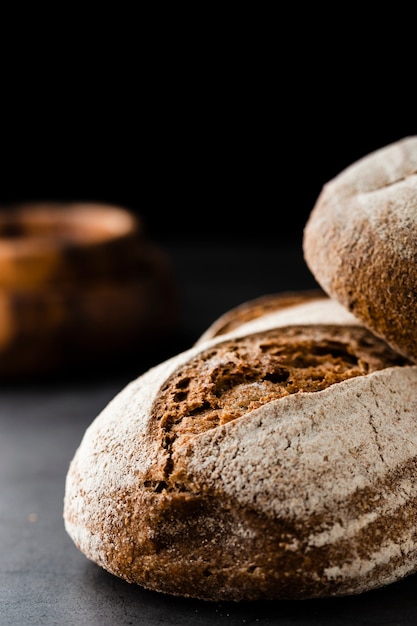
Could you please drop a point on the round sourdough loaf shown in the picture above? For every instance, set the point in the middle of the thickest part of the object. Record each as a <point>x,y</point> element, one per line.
<point>277,460</point>
<point>360,242</point>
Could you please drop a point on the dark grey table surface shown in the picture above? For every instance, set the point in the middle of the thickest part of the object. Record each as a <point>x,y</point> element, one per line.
<point>44,579</point>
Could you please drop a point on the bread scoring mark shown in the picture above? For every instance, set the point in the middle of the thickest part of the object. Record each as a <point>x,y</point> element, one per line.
<point>233,378</point>
<point>388,183</point>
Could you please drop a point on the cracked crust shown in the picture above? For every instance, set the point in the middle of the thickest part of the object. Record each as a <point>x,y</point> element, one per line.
<point>360,242</point>
<point>262,464</point>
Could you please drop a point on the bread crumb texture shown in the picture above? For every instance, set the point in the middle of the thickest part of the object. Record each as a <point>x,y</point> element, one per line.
<point>277,465</point>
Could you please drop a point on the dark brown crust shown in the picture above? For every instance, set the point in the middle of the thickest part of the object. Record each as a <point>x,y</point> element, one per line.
<point>360,243</point>
<point>270,465</point>
<point>193,551</point>
<point>172,487</point>
<point>183,545</point>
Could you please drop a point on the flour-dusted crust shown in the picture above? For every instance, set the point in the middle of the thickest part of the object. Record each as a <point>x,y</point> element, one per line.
<point>274,463</point>
<point>360,242</point>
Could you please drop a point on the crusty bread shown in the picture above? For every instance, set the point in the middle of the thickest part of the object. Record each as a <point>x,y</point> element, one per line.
<point>360,242</point>
<point>274,461</point>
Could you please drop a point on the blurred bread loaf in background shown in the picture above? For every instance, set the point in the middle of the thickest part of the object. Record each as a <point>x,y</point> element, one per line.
<point>80,284</point>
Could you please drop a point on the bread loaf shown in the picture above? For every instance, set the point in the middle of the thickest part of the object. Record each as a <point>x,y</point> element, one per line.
<point>360,242</point>
<point>276,460</point>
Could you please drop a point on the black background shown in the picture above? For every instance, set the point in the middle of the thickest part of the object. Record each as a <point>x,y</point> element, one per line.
<point>204,140</point>
<point>203,177</point>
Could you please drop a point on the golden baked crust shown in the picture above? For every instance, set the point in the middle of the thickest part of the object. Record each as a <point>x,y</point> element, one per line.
<point>360,242</point>
<point>264,465</point>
